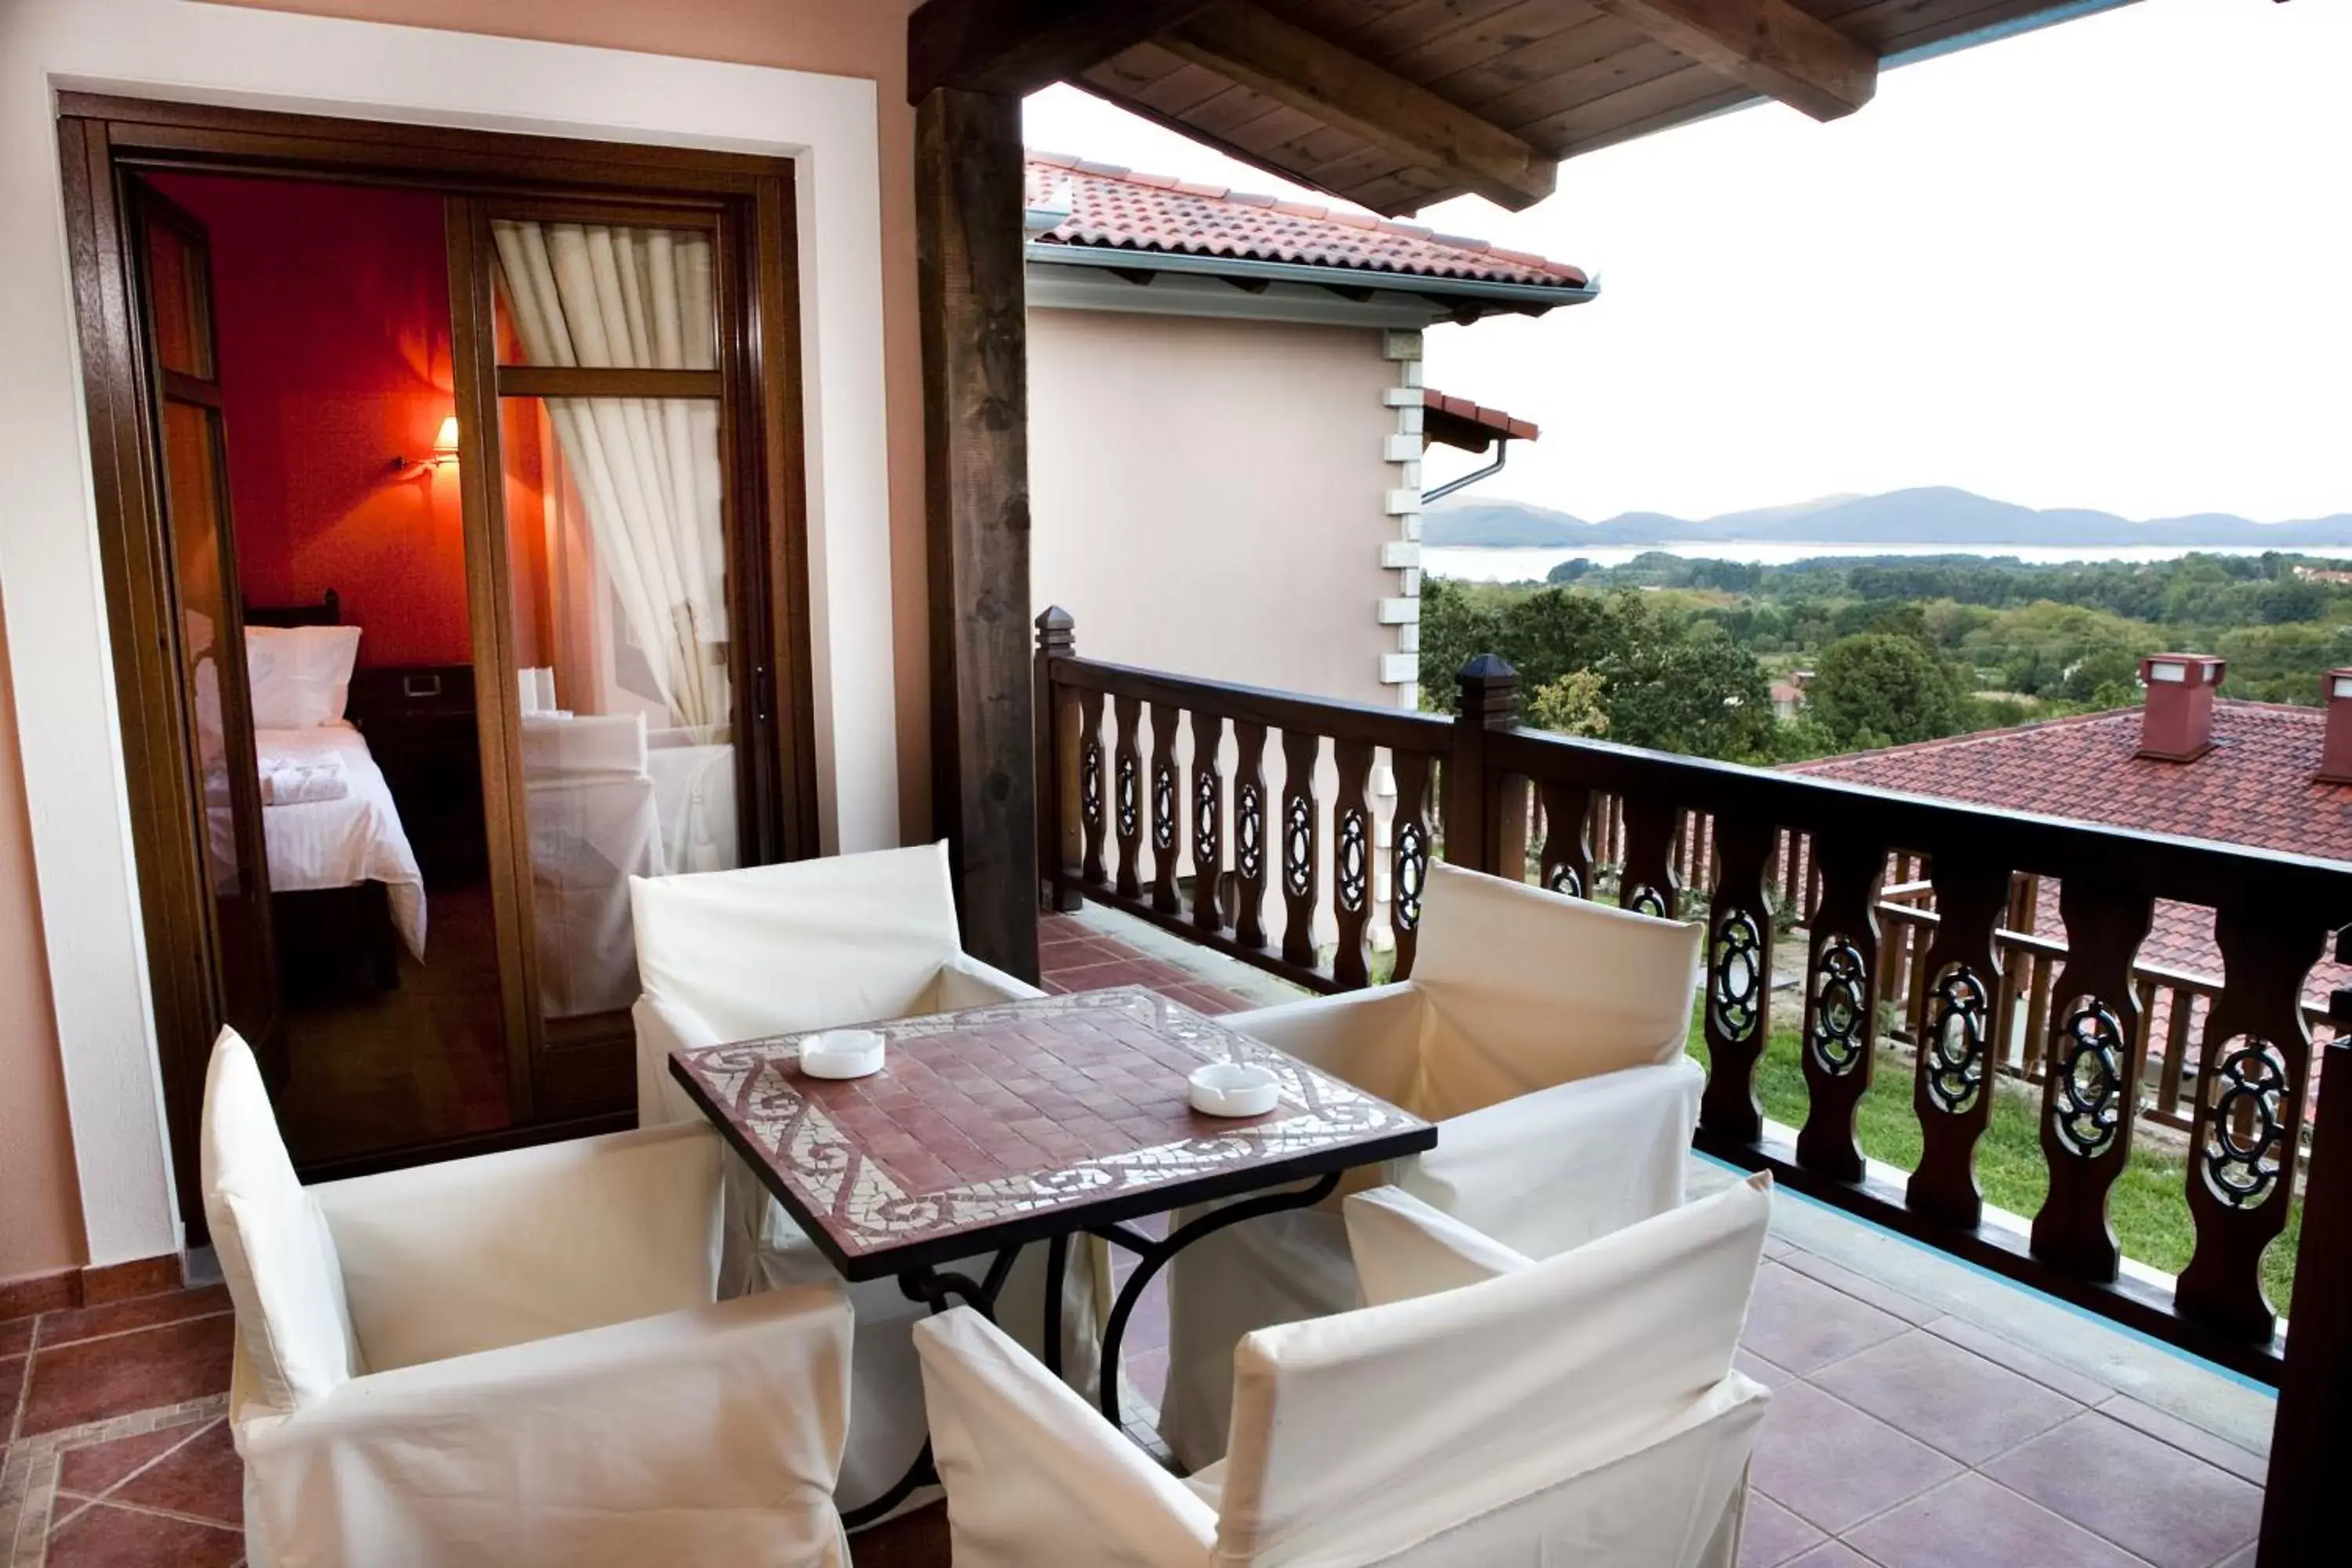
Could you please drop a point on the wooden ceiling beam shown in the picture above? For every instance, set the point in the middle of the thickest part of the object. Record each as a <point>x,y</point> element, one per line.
<point>1015,46</point>
<point>1298,68</point>
<point>1768,46</point>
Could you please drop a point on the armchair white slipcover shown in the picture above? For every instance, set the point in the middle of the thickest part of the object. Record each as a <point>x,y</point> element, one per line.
<point>515,1359</point>
<point>1493,1410</point>
<point>815,945</point>
<point>1545,1035</point>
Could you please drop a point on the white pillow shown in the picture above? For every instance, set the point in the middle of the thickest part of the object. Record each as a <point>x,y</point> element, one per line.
<point>300,676</point>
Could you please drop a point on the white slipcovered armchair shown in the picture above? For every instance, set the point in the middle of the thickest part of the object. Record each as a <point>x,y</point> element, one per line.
<point>816,944</point>
<point>515,1359</point>
<point>1545,1035</point>
<point>1483,1409</point>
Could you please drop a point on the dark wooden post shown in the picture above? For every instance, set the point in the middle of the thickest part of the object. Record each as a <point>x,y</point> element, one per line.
<point>1474,831</point>
<point>1061,826</point>
<point>2307,1508</point>
<point>968,169</point>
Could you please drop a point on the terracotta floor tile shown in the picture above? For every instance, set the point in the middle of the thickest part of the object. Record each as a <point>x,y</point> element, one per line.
<point>104,1536</point>
<point>91,1470</point>
<point>1098,976</point>
<point>1834,1466</point>
<point>1945,1396</point>
<point>1147,1371</point>
<point>2145,1496</point>
<point>202,1477</point>
<point>1772,1535</point>
<point>917,1539</point>
<point>1970,1521</point>
<point>98,1378</point>
<point>2018,1359</point>
<point>1831,1555</point>
<point>15,1337</point>
<point>119,1317</point>
<point>1801,1324</point>
<point>1847,1282</point>
<point>2167,1428</point>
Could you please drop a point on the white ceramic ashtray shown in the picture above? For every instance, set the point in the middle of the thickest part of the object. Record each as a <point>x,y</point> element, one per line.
<point>842,1053</point>
<point>1234,1089</point>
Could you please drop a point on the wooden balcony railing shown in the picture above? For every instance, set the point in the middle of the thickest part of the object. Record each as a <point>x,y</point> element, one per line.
<point>1295,833</point>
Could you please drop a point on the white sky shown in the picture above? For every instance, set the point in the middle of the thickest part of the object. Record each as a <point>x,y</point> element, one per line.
<point>2107,264</point>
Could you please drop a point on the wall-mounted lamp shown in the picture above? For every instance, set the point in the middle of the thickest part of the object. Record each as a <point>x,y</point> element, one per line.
<point>444,451</point>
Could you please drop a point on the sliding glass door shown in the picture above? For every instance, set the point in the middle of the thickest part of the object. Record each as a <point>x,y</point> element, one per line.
<point>612,418</point>
<point>547,479</point>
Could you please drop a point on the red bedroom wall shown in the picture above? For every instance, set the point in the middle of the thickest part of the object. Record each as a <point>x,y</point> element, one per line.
<point>331,308</point>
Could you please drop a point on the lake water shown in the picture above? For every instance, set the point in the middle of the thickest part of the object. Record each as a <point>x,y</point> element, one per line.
<point>1522,564</point>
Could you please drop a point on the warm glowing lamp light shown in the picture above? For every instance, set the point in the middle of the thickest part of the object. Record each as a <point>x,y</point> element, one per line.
<point>444,443</point>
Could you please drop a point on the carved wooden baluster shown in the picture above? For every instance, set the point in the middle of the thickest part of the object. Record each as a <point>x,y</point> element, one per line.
<point>1646,882</point>
<point>1090,784</point>
<point>1409,870</point>
<point>1351,861</point>
<point>1957,972</point>
<point>2096,1051</point>
<point>1301,838</point>
<point>2242,1153</point>
<point>1250,834</point>
<point>1567,857</point>
<point>1838,1041</point>
<point>1165,817</point>
<point>1738,981</point>
<point>1208,820</point>
<point>1127,796</point>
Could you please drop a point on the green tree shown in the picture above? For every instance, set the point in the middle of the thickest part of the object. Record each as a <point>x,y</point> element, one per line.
<point>1878,688</point>
<point>1686,687</point>
<point>1571,705</point>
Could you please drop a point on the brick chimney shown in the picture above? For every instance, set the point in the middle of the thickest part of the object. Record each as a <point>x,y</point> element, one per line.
<point>2336,751</point>
<point>2177,723</point>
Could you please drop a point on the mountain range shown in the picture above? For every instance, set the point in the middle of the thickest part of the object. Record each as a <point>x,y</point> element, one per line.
<point>1934,515</point>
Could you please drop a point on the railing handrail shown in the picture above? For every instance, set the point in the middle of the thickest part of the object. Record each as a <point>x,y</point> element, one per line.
<point>2163,865</point>
<point>1395,728</point>
<point>1749,837</point>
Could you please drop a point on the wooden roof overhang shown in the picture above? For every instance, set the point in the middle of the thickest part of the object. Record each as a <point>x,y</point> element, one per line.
<point>1396,104</point>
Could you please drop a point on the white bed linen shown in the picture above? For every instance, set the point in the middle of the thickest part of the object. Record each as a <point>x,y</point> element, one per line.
<point>341,843</point>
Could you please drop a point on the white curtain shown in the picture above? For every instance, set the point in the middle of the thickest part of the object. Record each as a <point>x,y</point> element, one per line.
<point>647,469</point>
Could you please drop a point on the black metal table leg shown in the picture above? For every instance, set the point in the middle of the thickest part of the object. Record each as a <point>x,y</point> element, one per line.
<point>1152,1256</point>
<point>938,1289</point>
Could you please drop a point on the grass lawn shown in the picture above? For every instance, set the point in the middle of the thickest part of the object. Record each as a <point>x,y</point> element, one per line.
<point>2149,1204</point>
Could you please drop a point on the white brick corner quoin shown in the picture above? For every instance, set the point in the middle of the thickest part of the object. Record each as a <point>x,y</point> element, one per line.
<point>1400,448</point>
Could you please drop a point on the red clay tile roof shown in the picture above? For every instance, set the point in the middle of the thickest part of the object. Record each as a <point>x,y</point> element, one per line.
<point>1117,208</point>
<point>1494,419</point>
<point>2254,787</point>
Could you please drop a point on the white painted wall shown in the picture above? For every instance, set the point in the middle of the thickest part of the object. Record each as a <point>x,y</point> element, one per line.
<point>49,574</point>
<point>1210,496</point>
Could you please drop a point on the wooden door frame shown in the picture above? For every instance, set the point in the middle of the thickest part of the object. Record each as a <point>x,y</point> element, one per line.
<point>103,141</point>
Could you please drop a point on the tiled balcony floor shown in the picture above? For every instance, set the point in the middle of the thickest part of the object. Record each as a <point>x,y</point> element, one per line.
<point>1941,1420</point>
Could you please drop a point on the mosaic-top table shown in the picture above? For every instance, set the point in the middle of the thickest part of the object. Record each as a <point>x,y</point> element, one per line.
<point>1025,1120</point>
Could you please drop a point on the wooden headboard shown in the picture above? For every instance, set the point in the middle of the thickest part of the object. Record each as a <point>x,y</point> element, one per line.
<point>327,612</point>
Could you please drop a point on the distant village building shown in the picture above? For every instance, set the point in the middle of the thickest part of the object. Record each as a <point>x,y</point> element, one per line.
<point>1789,695</point>
<point>1227,418</point>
